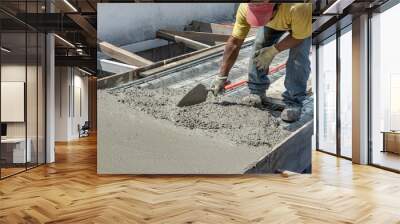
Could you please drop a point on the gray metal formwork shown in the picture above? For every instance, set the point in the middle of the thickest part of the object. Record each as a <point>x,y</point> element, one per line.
<point>293,154</point>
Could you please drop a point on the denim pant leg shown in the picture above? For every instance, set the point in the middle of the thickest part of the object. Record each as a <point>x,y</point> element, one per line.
<point>258,80</point>
<point>297,73</point>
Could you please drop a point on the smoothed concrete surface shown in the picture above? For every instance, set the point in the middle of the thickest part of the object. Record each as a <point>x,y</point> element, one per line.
<point>131,142</point>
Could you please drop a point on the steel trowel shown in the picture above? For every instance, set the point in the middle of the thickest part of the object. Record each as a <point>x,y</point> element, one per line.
<point>199,94</point>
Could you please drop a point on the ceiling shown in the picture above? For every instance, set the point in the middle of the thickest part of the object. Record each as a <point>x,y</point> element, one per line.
<point>76,20</point>
<point>332,15</point>
<point>69,19</point>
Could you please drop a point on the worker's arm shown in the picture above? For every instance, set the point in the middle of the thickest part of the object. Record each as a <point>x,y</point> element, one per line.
<point>287,43</point>
<point>264,56</point>
<point>231,52</point>
<point>232,48</point>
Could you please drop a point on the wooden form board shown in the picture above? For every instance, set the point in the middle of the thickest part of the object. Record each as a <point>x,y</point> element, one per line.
<point>123,55</point>
<point>12,101</point>
<point>179,39</point>
<point>200,36</point>
<point>215,28</point>
<point>210,27</point>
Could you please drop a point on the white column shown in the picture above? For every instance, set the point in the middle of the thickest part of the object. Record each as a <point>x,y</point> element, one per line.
<point>50,99</point>
<point>63,101</point>
<point>360,90</point>
<point>50,92</point>
<point>314,90</point>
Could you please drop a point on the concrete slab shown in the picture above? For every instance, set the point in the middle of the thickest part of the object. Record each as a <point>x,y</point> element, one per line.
<point>229,157</point>
<point>130,142</point>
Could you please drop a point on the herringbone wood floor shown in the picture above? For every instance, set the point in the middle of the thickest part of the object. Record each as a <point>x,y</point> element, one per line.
<point>69,191</point>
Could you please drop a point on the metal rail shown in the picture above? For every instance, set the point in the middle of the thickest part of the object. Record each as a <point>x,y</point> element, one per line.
<point>169,71</point>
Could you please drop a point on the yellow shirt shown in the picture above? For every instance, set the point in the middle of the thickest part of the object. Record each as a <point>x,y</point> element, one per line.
<point>295,17</point>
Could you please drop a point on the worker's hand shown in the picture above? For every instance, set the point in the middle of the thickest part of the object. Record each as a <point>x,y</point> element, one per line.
<point>264,57</point>
<point>217,86</point>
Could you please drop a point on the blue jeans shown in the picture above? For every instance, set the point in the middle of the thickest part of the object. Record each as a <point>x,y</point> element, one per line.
<point>297,67</point>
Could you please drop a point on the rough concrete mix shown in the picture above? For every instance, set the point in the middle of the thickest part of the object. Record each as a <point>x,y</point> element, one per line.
<point>141,131</point>
<point>132,142</point>
<point>217,117</point>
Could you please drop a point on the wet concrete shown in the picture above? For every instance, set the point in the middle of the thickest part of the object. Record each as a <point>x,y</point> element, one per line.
<point>132,142</point>
<point>142,131</point>
<point>223,117</point>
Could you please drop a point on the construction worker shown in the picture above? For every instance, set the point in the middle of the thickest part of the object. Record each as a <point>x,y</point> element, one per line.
<point>275,20</point>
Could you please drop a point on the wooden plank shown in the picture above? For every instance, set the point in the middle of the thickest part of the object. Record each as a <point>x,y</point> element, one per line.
<point>123,55</point>
<point>114,67</point>
<point>211,27</point>
<point>200,36</point>
<point>114,80</point>
<point>188,42</point>
<point>225,29</point>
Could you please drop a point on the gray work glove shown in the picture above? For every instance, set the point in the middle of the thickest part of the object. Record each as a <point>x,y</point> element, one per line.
<point>264,57</point>
<point>217,86</point>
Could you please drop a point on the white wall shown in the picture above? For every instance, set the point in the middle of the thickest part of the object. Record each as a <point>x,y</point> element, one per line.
<point>12,73</point>
<point>80,82</point>
<point>139,21</point>
<point>34,125</point>
<point>67,116</point>
<point>62,81</point>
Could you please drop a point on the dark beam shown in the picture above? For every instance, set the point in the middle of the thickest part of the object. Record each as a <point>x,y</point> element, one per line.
<point>79,20</point>
<point>87,28</point>
<point>84,24</point>
<point>78,61</point>
<point>49,22</point>
<point>91,5</point>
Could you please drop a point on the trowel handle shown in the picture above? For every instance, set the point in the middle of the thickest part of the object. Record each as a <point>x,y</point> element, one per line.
<point>236,84</point>
<point>271,71</point>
